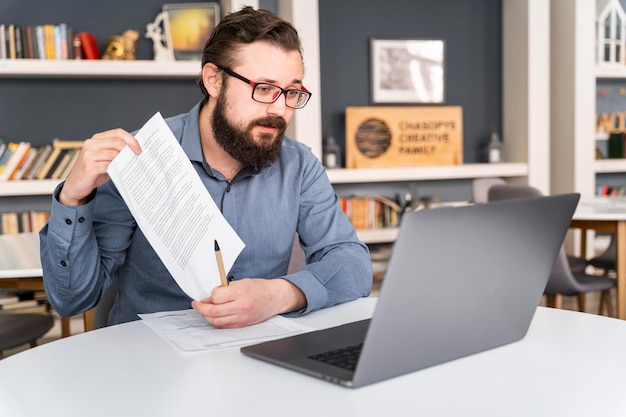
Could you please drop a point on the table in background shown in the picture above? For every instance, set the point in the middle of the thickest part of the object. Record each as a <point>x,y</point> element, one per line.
<point>20,266</point>
<point>606,215</point>
<point>569,364</point>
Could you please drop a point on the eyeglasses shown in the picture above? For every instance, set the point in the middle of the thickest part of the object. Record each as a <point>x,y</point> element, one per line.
<point>269,93</point>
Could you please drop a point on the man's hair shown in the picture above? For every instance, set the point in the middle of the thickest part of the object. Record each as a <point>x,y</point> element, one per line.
<point>244,27</point>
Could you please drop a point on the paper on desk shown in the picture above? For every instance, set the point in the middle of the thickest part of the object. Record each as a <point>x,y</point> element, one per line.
<point>188,330</point>
<point>174,209</point>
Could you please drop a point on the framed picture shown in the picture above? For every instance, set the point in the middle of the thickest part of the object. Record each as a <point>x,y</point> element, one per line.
<point>407,70</point>
<point>188,27</point>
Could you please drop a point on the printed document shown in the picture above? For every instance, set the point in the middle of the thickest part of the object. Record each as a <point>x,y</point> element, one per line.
<point>188,330</point>
<point>174,209</point>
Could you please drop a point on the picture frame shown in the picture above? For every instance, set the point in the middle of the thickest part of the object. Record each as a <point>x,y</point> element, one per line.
<point>188,27</point>
<point>407,70</point>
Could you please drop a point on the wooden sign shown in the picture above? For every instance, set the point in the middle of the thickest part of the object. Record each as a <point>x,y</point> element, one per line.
<point>403,136</point>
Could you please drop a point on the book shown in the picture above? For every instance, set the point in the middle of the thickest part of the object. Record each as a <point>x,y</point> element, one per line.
<point>38,219</point>
<point>55,163</point>
<point>19,305</point>
<point>371,212</point>
<point>6,155</point>
<point>77,47</point>
<point>41,42</point>
<point>3,41</point>
<point>39,309</point>
<point>48,34</point>
<point>58,148</point>
<point>89,45</point>
<point>28,162</point>
<point>11,41</point>
<point>50,160</point>
<point>25,224</point>
<point>42,155</point>
<point>7,297</point>
<point>28,33</point>
<point>3,147</point>
<point>15,161</point>
<point>70,164</point>
<point>10,223</point>
<point>64,160</point>
<point>19,42</point>
<point>67,144</point>
<point>616,145</point>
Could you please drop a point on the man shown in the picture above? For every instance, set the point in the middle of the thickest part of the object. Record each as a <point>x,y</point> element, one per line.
<point>267,186</point>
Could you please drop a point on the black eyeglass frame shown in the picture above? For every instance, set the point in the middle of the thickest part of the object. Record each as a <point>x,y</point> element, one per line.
<point>283,91</point>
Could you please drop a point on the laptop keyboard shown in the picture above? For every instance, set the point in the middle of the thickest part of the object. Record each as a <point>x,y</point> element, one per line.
<point>345,358</point>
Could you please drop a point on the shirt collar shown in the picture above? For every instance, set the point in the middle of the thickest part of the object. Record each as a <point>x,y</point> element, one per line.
<point>190,138</point>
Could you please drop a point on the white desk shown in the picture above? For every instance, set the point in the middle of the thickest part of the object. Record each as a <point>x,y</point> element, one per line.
<point>570,364</point>
<point>19,256</point>
<point>606,215</point>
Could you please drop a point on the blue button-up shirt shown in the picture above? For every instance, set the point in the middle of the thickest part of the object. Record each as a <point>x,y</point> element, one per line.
<point>86,248</point>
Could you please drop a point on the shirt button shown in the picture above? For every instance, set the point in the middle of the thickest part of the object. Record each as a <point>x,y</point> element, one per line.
<point>230,278</point>
<point>63,263</point>
<point>68,221</point>
<point>81,219</point>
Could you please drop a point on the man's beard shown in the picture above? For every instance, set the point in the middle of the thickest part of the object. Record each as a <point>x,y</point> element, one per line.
<point>240,144</point>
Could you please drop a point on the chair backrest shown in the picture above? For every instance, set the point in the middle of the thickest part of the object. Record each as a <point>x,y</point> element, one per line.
<point>102,310</point>
<point>561,280</point>
<point>481,186</point>
<point>508,191</point>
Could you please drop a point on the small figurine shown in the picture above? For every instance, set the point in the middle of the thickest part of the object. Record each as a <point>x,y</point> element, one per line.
<point>154,31</point>
<point>121,47</point>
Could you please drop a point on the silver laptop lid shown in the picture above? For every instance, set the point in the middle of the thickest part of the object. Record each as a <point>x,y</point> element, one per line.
<point>462,280</point>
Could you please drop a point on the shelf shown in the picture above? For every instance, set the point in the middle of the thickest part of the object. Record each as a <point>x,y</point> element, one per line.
<point>441,172</point>
<point>606,166</point>
<point>611,72</point>
<point>377,235</point>
<point>27,187</point>
<point>83,68</point>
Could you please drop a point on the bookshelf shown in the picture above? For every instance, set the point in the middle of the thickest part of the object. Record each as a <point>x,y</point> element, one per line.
<point>525,115</point>
<point>97,69</point>
<point>425,173</point>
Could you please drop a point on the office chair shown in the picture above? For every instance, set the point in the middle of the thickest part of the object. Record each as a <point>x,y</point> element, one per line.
<point>17,329</point>
<point>608,259</point>
<point>564,279</point>
<point>481,186</point>
<point>98,317</point>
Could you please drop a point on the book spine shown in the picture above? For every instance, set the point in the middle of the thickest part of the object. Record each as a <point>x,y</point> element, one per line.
<point>48,32</point>
<point>89,44</point>
<point>19,42</point>
<point>3,41</point>
<point>41,158</point>
<point>41,42</point>
<point>11,40</point>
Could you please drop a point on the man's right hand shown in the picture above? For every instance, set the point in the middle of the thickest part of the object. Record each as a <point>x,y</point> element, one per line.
<point>91,167</point>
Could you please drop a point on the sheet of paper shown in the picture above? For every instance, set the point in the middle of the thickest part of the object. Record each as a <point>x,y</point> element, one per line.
<point>174,209</point>
<point>189,331</point>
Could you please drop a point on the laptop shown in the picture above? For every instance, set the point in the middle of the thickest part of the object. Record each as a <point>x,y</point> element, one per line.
<point>460,280</point>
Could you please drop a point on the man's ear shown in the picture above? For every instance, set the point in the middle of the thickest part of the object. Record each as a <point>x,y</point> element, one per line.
<point>212,79</point>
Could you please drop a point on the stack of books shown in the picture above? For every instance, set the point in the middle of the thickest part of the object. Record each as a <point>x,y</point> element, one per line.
<point>17,301</point>
<point>371,212</point>
<point>22,161</point>
<point>12,222</point>
<point>48,41</point>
